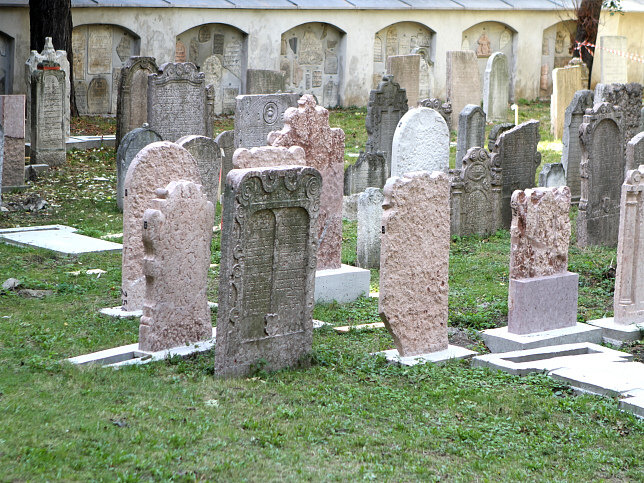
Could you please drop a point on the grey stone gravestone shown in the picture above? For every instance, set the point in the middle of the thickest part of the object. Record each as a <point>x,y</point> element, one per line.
<point>406,70</point>
<point>552,175</point>
<point>642,120</point>
<point>1,158</point>
<point>208,157</point>
<point>48,117</point>
<point>12,148</point>
<point>471,131</point>
<point>226,142</point>
<point>443,108</point>
<point>496,87</point>
<point>266,288</point>
<point>463,81</point>
<point>635,152</point>
<point>260,81</point>
<point>257,115</point>
<point>571,156</point>
<point>369,223</point>
<point>495,132</point>
<point>369,171</point>
<point>602,174</point>
<point>629,98</point>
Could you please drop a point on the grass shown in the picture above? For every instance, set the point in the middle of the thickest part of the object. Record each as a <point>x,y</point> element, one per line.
<point>349,416</point>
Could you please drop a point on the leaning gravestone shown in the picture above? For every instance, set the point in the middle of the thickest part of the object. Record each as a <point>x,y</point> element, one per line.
<point>463,83</point>
<point>370,170</point>
<point>635,152</point>
<point>177,101</point>
<point>265,156</point>
<point>226,142</point>
<point>258,115</point>
<point>571,156</point>
<point>48,117</point>
<point>177,231</point>
<point>496,87</point>
<point>405,69</point>
<point>443,108</point>
<point>552,175</point>
<point>130,146</point>
<point>308,126</point>
<point>629,98</point>
<point>495,132</point>
<point>12,149</point>
<point>602,173</point>
<point>260,81</point>
<point>421,143</point>
<point>475,201</point>
<point>515,152</point>
<point>155,166</point>
<point>132,95</point>
<point>565,83</point>
<point>369,221</point>
<point>471,131</point>
<point>268,259</point>
<point>208,157</point>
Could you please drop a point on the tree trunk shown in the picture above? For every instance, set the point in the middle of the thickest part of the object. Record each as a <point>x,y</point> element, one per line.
<point>53,18</point>
<point>588,13</point>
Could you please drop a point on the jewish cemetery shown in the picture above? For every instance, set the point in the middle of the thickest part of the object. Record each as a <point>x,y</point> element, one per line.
<point>321,241</point>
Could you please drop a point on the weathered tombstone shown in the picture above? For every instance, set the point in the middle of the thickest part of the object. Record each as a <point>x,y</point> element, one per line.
<point>268,258</point>
<point>208,157</point>
<point>98,96</point>
<point>421,143</point>
<point>629,98</point>
<point>571,156</point>
<point>463,83</point>
<point>475,201</point>
<point>602,173</point>
<point>226,142</point>
<point>257,115</point>
<point>266,156</point>
<point>130,146</point>
<point>471,131</point>
<point>177,101</point>
<point>642,119</point>
<point>515,152</point>
<point>417,319</point>
<point>495,132</point>
<point>496,87</point>
<point>308,126</point>
<point>405,69</point>
<point>260,81</point>
<point>443,108</point>
<point>614,68</point>
<point>635,152</point>
<point>12,148</point>
<point>132,95</point>
<point>177,231</point>
<point>387,104</point>
<point>369,222</point>
<point>155,166</point>
<point>552,175</point>
<point>48,117</point>
<point>370,170</point>
<point>565,83</point>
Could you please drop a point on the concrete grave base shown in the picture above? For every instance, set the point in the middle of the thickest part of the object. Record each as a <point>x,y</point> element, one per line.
<point>500,340</point>
<point>617,334</point>
<point>633,404</point>
<point>452,352</point>
<point>58,238</point>
<point>344,284</point>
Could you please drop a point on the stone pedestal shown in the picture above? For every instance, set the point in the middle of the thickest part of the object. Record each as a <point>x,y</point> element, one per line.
<point>344,284</point>
<point>617,334</point>
<point>500,340</point>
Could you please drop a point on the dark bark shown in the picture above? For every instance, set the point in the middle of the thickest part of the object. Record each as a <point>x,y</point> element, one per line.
<point>588,13</point>
<point>53,18</point>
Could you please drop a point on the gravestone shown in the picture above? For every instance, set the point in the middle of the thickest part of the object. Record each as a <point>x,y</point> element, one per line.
<point>614,67</point>
<point>226,142</point>
<point>177,101</point>
<point>496,87</point>
<point>443,108</point>
<point>629,98</point>
<point>268,259</point>
<point>308,126</point>
<point>257,115</point>
<point>552,175</point>
<point>495,132</point>
<point>642,119</point>
<point>405,70</point>
<point>602,173</point>
<point>369,222</point>
<point>565,83</point>
<point>98,96</point>
<point>48,117</point>
<point>421,143</point>
<point>515,152</point>
<point>475,201</point>
<point>132,95</point>
<point>417,319</point>
<point>635,152</point>
<point>370,170</point>
<point>155,166</point>
<point>130,146</point>
<point>463,83</point>
<point>12,148</point>
<point>1,159</point>
<point>387,104</point>
<point>208,157</point>
<point>260,81</point>
<point>266,156</point>
<point>471,131</point>
<point>177,231</point>
<point>571,156</point>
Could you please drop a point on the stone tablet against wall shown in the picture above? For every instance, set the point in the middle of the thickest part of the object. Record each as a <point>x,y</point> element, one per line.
<point>48,117</point>
<point>99,50</point>
<point>565,82</point>
<point>308,126</point>
<point>260,81</point>
<point>496,87</point>
<point>208,157</point>
<point>258,115</point>
<point>266,156</point>
<point>12,149</point>
<point>177,230</point>
<point>471,131</point>
<point>369,224</point>
<point>602,173</point>
<point>421,143</point>
<point>155,166</point>
<point>268,258</point>
<point>629,98</point>
<point>463,83</point>
<point>98,96</point>
<point>405,71</point>
<point>414,259</point>
<point>614,68</point>
<point>226,142</point>
<point>369,171</point>
<point>571,156</point>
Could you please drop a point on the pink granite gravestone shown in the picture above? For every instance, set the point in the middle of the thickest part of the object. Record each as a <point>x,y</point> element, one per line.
<point>266,156</point>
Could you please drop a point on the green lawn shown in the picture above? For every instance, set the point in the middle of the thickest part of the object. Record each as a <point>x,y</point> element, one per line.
<point>349,416</point>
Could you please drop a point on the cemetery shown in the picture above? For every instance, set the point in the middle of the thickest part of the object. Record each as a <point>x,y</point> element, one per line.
<point>222,264</point>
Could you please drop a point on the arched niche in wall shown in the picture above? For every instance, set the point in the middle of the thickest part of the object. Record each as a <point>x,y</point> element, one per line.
<point>6,63</point>
<point>100,50</point>
<point>404,38</point>
<point>485,38</point>
<point>555,53</point>
<point>220,52</point>
<point>312,59</point>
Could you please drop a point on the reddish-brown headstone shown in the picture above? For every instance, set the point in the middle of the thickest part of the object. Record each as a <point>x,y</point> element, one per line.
<point>267,156</point>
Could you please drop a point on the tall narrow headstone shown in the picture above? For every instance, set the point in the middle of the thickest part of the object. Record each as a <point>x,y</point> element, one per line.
<point>635,152</point>
<point>369,222</point>
<point>414,259</point>
<point>463,83</point>
<point>226,142</point>
<point>370,170</point>
<point>629,98</point>
<point>614,67</point>
<point>268,258</point>
<point>421,143</point>
<point>12,151</point>
<point>571,156</point>
<point>565,82</point>
<point>405,70</point>
<point>258,115</point>
<point>308,126</point>
<point>155,166</point>
<point>471,131</point>
<point>264,81</point>
<point>48,117</point>
<point>208,157</point>
<point>602,173</point>
<point>443,108</point>
<point>495,132</point>
<point>177,230</point>
<point>496,87</point>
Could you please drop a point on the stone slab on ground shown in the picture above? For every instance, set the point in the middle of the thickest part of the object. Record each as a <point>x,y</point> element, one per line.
<point>58,238</point>
<point>119,313</point>
<point>500,340</point>
<point>343,329</point>
<point>633,405</point>
<point>617,334</point>
<point>602,377</point>
<point>438,357</point>
<point>344,284</point>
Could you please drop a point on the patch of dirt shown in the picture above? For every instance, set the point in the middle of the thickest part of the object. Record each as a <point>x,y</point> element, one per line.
<point>92,126</point>
<point>637,349</point>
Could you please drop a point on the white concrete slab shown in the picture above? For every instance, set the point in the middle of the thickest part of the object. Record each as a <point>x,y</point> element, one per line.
<point>617,334</point>
<point>119,313</point>
<point>452,352</point>
<point>58,238</point>
<point>633,405</point>
<point>343,285</point>
<point>500,340</point>
<point>599,377</point>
